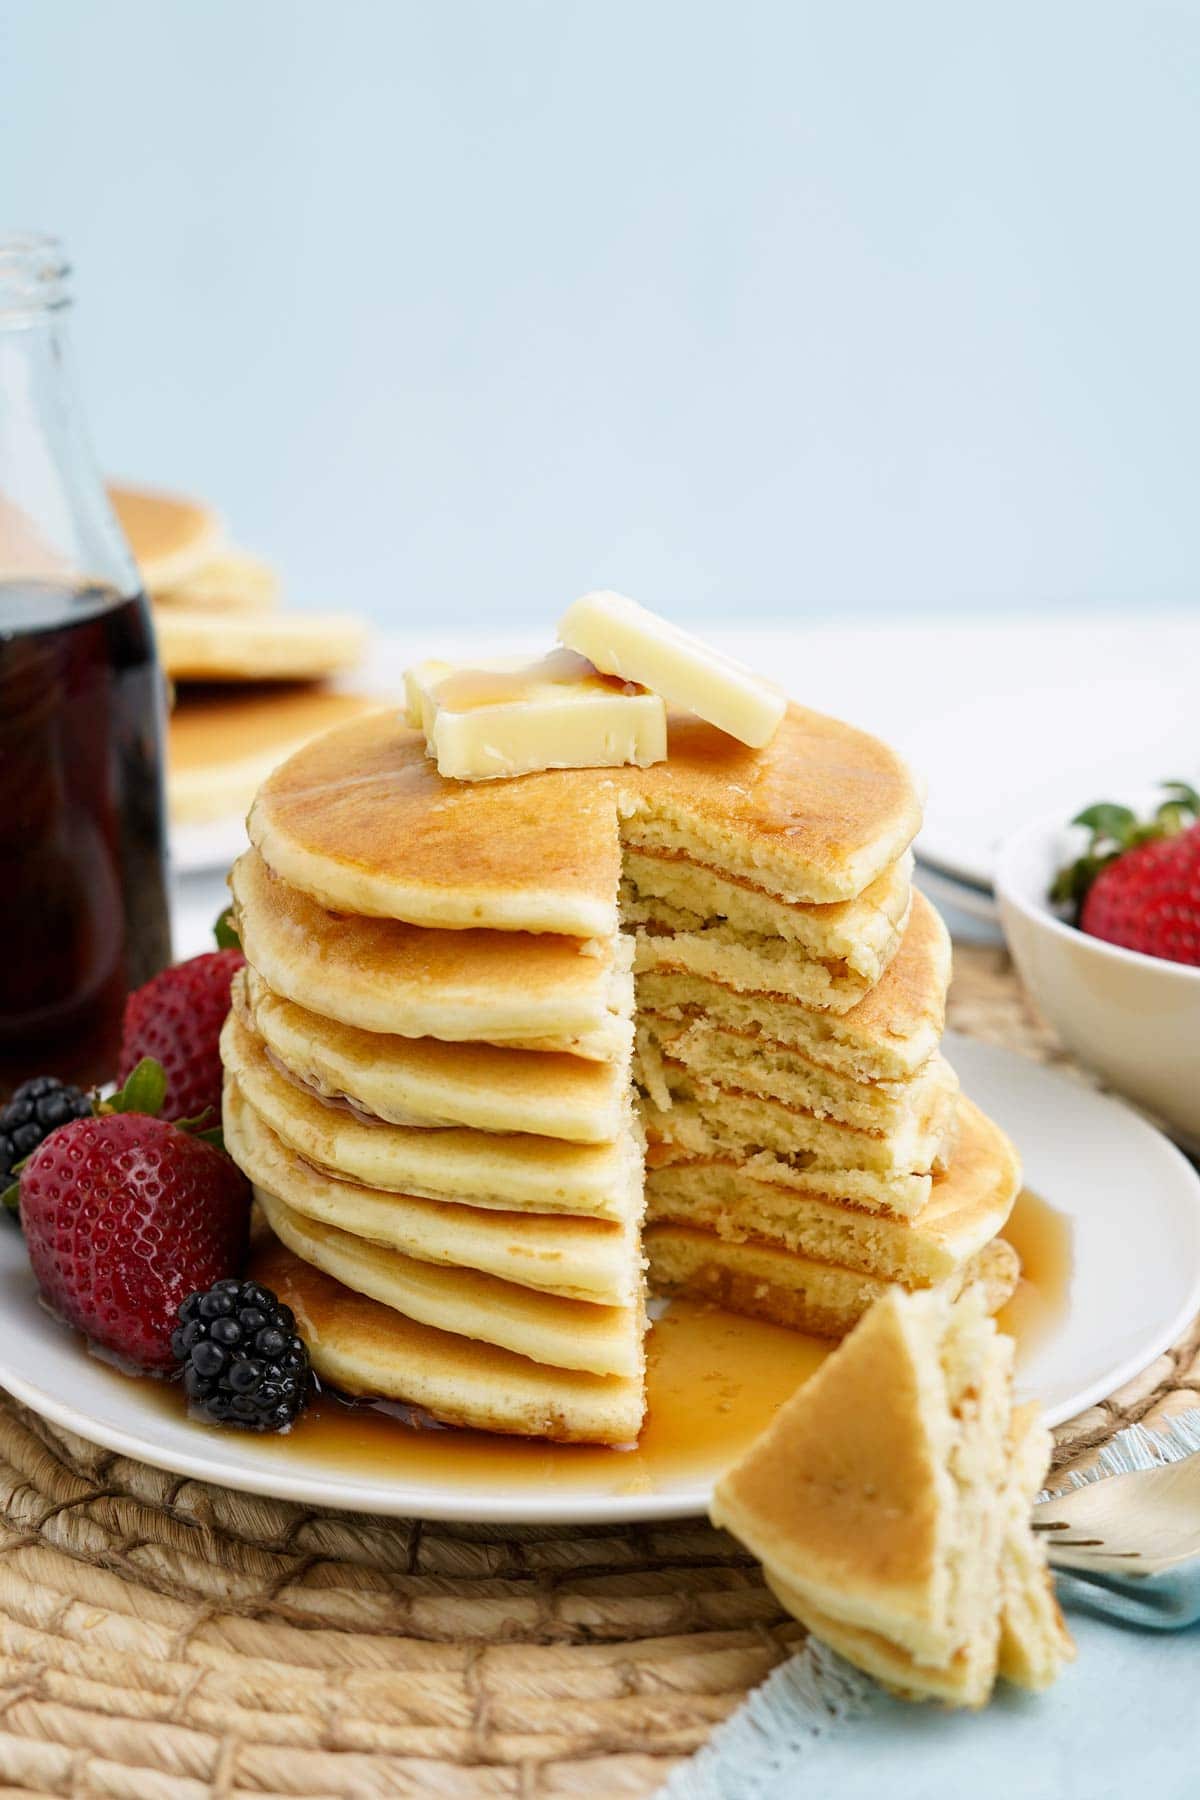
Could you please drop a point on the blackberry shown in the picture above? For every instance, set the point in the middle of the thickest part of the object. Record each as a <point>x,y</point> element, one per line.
<point>37,1108</point>
<point>242,1362</point>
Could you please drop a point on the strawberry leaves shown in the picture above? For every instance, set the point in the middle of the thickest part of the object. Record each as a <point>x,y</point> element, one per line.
<point>144,1090</point>
<point>1114,830</point>
<point>225,931</point>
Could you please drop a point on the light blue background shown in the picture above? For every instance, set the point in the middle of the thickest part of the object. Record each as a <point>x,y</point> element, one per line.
<point>798,310</point>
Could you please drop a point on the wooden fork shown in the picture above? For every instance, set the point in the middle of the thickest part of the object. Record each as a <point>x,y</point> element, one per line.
<point>1129,1545</point>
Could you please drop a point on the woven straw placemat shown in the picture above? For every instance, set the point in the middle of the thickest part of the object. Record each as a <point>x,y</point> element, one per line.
<point>166,1640</point>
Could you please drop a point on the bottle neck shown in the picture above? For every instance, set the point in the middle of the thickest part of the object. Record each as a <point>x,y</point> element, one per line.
<point>56,523</point>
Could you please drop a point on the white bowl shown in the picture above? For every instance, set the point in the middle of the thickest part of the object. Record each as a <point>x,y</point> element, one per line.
<point>1133,1019</point>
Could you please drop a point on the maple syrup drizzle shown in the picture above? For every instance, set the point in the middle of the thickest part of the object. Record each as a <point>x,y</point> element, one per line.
<point>714,1380</point>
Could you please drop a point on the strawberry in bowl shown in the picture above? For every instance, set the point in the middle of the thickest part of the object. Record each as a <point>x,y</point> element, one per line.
<point>1105,933</point>
<point>1138,882</point>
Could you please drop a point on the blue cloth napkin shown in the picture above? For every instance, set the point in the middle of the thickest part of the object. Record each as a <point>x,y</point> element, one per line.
<point>1123,1721</point>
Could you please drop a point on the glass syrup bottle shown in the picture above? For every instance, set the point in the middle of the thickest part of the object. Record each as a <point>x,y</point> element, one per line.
<point>83,897</point>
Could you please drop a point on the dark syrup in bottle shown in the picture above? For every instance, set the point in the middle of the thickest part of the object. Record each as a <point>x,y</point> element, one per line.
<point>83,899</point>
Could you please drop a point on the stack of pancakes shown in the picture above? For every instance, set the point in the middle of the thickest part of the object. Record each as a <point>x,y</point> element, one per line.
<point>249,678</point>
<point>431,1061</point>
<point>216,606</point>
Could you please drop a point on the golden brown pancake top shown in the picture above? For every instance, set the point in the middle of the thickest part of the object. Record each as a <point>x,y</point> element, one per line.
<point>362,820</point>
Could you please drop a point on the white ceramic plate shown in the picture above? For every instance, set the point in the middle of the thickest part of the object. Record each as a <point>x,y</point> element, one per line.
<point>1133,1202</point>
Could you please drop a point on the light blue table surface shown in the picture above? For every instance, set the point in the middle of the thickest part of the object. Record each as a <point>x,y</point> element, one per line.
<point>1122,1721</point>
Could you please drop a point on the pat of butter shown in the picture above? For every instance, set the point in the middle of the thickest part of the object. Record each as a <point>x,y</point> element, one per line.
<point>512,718</point>
<point>622,638</point>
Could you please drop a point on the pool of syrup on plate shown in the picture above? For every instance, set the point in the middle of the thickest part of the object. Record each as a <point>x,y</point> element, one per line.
<point>1044,1240</point>
<point>714,1380</point>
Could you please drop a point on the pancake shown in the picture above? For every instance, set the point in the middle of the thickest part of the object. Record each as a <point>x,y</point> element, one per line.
<point>362,821</point>
<point>197,643</point>
<point>1034,1640</point>
<point>672,889</point>
<point>171,537</point>
<point>711,1053</point>
<point>722,954</point>
<point>365,1348</point>
<point>967,1207</point>
<point>402,979</point>
<point>222,743</point>
<point>888,1035</point>
<point>511,1172</point>
<point>231,580</point>
<point>580,1259</point>
<point>561,1334</point>
<point>876,1503</point>
<point>423,1081</point>
<point>1034,1643</point>
<point>705,1119</point>
<point>784,1288</point>
<point>699,1056</point>
<point>889,1501</point>
<point>901,1196</point>
<point>874,1493</point>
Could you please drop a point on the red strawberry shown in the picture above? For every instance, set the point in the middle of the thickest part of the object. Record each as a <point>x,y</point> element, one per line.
<point>1139,883</point>
<point>1149,899</point>
<point>125,1216</point>
<point>177,1019</point>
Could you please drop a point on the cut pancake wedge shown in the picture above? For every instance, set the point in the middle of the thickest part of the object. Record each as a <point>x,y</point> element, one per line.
<point>1034,1644</point>
<point>565,1334</point>
<point>556,1253</point>
<point>510,1172</point>
<point>876,1498</point>
<point>425,1081</point>
<point>405,980</point>
<point>362,1347</point>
